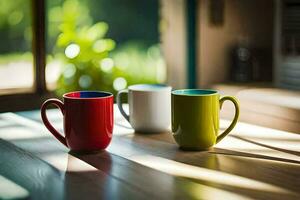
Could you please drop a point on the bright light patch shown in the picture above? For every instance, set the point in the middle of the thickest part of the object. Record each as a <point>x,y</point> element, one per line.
<point>72,51</point>
<point>106,64</point>
<point>66,162</point>
<point>53,71</point>
<point>122,61</point>
<point>21,132</point>
<point>161,73</point>
<point>70,71</point>
<point>189,171</point>
<point>85,81</point>
<point>265,137</point>
<point>11,190</point>
<point>120,83</point>
<point>104,45</point>
<point>153,52</point>
<point>99,46</point>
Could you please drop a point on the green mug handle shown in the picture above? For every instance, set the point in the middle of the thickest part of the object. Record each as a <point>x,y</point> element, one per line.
<point>236,115</point>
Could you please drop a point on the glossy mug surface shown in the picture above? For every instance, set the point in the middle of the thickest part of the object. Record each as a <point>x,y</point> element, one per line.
<point>88,120</point>
<point>149,107</point>
<point>195,118</point>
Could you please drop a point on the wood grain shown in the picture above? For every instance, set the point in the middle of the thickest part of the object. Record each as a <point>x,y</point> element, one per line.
<point>252,163</point>
<point>264,105</point>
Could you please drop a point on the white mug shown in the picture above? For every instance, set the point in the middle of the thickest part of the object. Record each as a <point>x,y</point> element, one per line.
<point>149,107</point>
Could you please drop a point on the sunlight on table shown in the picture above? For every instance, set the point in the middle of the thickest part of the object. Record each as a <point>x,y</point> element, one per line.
<point>188,171</point>
<point>11,190</point>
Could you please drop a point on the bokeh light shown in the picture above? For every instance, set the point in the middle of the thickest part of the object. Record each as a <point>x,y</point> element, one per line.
<point>72,51</point>
<point>69,71</point>
<point>120,83</point>
<point>85,81</point>
<point>107,64</point>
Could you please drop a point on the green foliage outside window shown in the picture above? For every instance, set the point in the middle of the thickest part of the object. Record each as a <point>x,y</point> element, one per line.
<point>87,58</point>
<point>92,62</point>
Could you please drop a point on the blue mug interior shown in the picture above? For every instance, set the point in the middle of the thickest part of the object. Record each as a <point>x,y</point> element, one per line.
<point>88,94</point>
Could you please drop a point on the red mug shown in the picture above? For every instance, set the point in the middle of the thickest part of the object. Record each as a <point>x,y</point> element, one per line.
<point>88,120</point>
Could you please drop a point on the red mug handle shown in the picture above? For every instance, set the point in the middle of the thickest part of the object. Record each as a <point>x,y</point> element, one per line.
<point>48,125</point>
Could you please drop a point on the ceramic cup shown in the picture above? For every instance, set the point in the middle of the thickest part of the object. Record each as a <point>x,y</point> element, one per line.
<point>149,107</point>
<point>88,120</point>
<point>195,118</point>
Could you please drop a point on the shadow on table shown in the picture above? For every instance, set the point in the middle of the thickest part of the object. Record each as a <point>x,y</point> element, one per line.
<point>251,155</point>
<point>104,175</point>
<point>84,181</point>
<point>297,153</point>
<point>228,160</point>
<point>160,175</point>
<point>69,178</point>
<point>165,141</point>
<point>39,178</point>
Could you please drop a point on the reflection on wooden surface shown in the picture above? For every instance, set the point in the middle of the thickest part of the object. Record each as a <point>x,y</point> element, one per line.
<point>251,163</point>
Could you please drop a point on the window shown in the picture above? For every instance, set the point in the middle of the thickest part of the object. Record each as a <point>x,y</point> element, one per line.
<point>102,45</point>
<point>22,78</point>
<point>16,60</point>
<point>52,47</point>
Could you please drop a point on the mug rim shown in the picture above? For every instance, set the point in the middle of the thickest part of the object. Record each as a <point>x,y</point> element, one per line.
<point>181,92</point>
<point>159,87</point>
<point>107,95</point>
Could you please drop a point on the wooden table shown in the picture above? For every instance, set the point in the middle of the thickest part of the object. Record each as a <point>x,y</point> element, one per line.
<point>251,163</point>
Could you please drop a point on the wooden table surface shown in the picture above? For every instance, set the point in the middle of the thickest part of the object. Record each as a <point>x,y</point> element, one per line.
<point>251,163</point>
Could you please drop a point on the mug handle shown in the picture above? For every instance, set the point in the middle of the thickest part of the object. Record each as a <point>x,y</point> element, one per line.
<point>119,102</point>
<point>236,115</point>
<point>48,125</point>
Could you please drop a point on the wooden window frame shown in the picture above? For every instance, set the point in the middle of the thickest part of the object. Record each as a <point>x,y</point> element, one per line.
<point>32,100</point>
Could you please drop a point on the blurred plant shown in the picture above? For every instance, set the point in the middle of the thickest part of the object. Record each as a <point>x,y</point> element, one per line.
<point>90,64</point>
<point>15,28</point>
<point>82,47</point>
<point>139,64</point>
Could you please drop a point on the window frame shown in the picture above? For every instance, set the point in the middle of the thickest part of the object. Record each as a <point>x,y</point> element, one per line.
<point>191,41</point>
<point>32,100</point>
<point>22,100</point>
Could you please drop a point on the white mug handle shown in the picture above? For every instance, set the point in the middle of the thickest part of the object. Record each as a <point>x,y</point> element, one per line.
<point>119,102</point>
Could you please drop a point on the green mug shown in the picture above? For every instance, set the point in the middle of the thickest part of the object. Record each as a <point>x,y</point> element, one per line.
<point>195,118</point>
